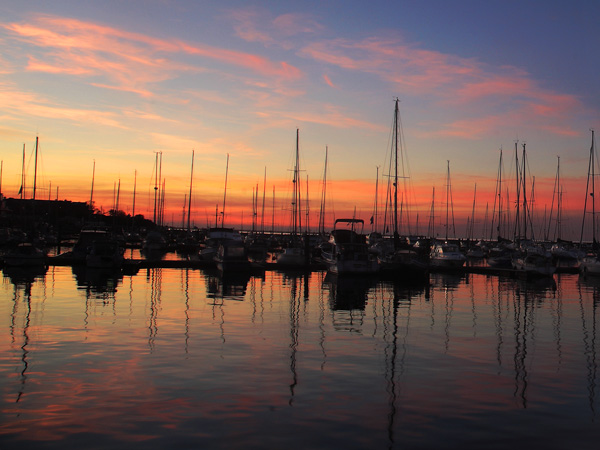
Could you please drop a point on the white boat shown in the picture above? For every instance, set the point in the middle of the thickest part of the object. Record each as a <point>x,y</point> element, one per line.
<point>446,255</point>
<point>348,252</point>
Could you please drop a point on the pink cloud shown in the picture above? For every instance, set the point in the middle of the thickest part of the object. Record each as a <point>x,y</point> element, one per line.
<point>131,60</point>
<point>254,26</point>
<point>470,86</point>
<point>28,104</point>
<point>328,81</point>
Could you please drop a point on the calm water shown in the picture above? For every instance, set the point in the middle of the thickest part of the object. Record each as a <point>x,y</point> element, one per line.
<point>172,358</point>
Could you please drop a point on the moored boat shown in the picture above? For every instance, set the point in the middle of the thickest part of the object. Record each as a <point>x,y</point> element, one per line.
<point>348,251</point>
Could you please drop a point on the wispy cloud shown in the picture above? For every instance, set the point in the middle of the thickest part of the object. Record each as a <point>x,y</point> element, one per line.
<point>128,61</point>
<point>481,97</point>
<point>28,104</point>
<point>253,25</point>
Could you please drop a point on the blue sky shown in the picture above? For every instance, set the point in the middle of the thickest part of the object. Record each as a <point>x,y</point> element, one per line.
<point>116,82</point>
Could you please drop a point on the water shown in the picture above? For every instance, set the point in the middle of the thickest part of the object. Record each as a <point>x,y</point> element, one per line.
<point>174,358</point>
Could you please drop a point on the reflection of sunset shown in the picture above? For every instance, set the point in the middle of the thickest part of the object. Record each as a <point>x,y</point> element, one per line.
<point>168,354</point>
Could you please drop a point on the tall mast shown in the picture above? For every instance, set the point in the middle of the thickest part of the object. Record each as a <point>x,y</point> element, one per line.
<point>134,188</point>
<point>498,201</point>
<point>307,226</point>
<point>22,190</point>
<point>190,196</point>
<point>296,219</point>
<point>323,196</point>
<point>262,214</point>
<point>471,231</point>
<point>118,194</point>
<point>396,235</point>
<point>92,190</point>
<point>518,201</point>
<point>593,151</point>
<point>225,191</point>
<point>554,195</point>
<point>591,176</point>
<point>374,221</point>
<point>155,186</point>
<point>431,227</point>
<point>35,166</point>
<point>524,187</point>
<point>447,198</point>
<point>299,203</point>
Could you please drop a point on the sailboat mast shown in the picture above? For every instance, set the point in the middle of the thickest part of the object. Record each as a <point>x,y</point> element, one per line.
<point>554,194</point>
<point>134,189</point>
<point>299,203</point>
<point>262,214</point>
<point>225,191</point>
<point>447,198</point>
<point>118,194</point>
<point>323,196</point>
<point>190,196</point>
<point>35,166</point>
<point>22,190</point>
<point>472,227</point>
<point>155,186</point>
<point>593,151</point>
<point>92,190</point>
<point>396,235</point>
<point>374,221</point>
<point>524,188</point>
<point>498,200</point>
<point>590,194</point>
<point>431,227</point>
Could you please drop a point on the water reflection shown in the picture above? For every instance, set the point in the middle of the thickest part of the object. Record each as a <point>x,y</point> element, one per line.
<point>24,276</point>
<point>454,362</point>
<point>590,286</point>
<point>226,285</point>
<point>99,283</point>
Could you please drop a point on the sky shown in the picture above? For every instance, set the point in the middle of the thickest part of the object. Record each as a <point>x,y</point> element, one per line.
<point>107,86</point>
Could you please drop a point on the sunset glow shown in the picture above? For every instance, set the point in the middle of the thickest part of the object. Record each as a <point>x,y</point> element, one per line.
<point>111,85</point>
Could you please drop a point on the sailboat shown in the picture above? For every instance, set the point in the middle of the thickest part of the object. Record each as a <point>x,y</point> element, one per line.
<point>447,254</point>
<point>590,263</point>
<point>225,246</point>
<point>500,255</point>
<point>401,258</point>
<point>294,253</point>
<point>532,259</point>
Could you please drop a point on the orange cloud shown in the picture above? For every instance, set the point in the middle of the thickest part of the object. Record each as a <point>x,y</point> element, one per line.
<point>129,59</point>
<point>29,104</point>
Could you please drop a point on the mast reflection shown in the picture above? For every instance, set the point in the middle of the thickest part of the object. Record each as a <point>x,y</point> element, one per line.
<point>590,285</point>
<point>396,336</point>
<point>23,279</point>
